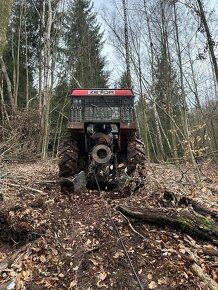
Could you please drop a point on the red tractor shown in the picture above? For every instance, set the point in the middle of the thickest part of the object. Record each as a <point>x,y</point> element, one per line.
<point>102,140</point>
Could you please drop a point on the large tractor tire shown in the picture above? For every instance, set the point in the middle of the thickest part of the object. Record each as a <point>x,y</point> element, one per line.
<point>135,154</point>
<point>68,158</point>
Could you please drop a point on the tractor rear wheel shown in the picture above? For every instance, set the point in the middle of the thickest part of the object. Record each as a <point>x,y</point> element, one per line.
<point>135,153</point>
<point>68,158</point>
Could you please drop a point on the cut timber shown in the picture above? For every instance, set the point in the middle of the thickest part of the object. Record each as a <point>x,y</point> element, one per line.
<point>186,220</point>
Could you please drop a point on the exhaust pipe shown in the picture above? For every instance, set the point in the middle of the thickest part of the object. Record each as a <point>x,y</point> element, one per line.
<point>101,154</point>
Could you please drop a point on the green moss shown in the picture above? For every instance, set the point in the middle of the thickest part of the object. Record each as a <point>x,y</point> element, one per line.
<point>185,223</point>
<point>207,223</point>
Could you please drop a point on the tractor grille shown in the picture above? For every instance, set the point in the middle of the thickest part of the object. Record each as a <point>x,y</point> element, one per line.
<point>92,114</point>
<point>102,113</point>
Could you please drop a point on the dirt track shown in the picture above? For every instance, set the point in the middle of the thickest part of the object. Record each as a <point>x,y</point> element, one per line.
<point>53,241</point>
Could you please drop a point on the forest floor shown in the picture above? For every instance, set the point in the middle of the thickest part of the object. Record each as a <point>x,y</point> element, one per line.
<point>49,240</point>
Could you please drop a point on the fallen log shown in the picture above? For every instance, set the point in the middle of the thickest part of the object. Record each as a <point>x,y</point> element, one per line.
<point>182,200</point>
<point>187,220</point>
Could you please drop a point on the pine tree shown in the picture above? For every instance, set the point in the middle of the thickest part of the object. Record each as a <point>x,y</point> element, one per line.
<point>168,99</point>
<point>123,81</point>
<point>84,42</point>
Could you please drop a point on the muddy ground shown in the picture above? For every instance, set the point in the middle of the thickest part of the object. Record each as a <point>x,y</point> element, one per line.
<point>53,241</point>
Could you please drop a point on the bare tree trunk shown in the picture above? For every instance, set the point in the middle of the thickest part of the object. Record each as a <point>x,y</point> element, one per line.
<point>184,105</point>
<point>40,65</point>
<point>159,143</point>
<point>41,79</point>
<point>145,124</point>
<point>5,11</point>
<point>214,134</point>
<point>127,43</point>
<point>16,87</point>
<point>202,117</point>
<point>13,58</point>
<point>46,91</point>
<point>26,59</point>
<point>210,41</point>
<point>138,69</point>
<point>8,84</point>
<point>4,110</point>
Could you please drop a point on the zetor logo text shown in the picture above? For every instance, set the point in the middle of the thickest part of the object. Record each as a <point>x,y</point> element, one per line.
<point>101,92</point>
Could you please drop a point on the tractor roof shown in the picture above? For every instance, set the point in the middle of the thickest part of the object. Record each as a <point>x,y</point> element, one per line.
<point>102,92</point>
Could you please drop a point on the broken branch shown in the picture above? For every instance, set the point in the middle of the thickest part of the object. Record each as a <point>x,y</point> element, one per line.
<point>22,186</point>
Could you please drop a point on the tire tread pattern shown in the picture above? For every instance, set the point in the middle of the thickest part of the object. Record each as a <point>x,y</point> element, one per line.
<point>68,158</point>
<point>135,153</point>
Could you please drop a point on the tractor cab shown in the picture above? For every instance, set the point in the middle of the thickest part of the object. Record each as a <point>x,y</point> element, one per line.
<point>106,111</point>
